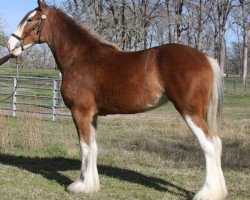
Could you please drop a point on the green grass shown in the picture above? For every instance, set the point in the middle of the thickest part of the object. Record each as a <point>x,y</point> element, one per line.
<point>234,85</point>
<point>11,71</point>
<point>145,156</point>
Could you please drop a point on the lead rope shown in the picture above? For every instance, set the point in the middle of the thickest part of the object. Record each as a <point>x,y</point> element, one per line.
<point>17,77</point>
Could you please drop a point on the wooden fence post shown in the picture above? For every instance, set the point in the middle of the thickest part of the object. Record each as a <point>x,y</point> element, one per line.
<point>245,85</point>
<point>234,84</point>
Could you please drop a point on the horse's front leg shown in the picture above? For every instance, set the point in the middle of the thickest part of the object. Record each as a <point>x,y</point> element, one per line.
<point>89,179</point>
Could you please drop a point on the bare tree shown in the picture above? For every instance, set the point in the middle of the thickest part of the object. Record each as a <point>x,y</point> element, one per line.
<point>168,4</point>
<point>179,25</point>
<point>219,17</point>
<point>240,26</point>
<point>140,24</point>
<point>198,23</point>
<point>148,11</point>
<point>246,31</point>
<point>3,37</point>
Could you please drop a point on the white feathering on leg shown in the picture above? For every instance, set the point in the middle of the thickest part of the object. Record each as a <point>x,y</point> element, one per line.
<point>214,187</point>
<point>89,180</point>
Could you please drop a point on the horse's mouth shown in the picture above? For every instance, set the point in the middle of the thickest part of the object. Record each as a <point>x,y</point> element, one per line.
<point>16,51</point>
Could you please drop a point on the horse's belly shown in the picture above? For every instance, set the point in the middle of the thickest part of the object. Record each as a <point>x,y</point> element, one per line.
<point>135,94</point>
<point>140,102</point>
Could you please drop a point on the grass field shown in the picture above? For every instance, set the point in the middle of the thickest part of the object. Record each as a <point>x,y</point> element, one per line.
<point>11,71</point>
<point>145,156</point>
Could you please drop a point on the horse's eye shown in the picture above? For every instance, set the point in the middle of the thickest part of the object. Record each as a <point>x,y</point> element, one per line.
<point>30,20</point>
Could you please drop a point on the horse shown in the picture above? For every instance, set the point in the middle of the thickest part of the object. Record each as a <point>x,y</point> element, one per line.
<point>99,79</point>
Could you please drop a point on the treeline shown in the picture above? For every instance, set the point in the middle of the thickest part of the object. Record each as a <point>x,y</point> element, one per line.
<point>219,28</point>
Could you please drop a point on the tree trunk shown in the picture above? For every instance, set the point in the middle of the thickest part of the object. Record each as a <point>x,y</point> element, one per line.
<point>123,42</point>
<point>245,53</point>
<point>221,50</point>
<point>168,4</point>
<point>201,24</point>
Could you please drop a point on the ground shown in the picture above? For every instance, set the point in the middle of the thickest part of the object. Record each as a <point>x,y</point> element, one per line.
<point>145,156</point>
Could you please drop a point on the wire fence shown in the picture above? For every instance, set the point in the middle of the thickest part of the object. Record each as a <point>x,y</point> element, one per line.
<point>42,96</point>
<point>235,85</point>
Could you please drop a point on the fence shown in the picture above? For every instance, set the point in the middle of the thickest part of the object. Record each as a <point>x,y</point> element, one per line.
<point>42,95</point>
<point>235,85</point>
<point>32,95</point>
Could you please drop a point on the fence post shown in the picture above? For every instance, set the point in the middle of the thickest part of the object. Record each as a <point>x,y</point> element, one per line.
<point>245,84</point>
<point>14,97</point>
<point>234,84</point>
<point>54,100</point>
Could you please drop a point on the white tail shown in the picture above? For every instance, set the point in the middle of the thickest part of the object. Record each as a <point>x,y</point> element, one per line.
<point>216,98</point>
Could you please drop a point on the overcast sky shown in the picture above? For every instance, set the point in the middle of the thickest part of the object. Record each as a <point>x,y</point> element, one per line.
<point>12,11</point>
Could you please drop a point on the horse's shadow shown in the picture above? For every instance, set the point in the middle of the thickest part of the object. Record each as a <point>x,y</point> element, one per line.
<point>50,169</point>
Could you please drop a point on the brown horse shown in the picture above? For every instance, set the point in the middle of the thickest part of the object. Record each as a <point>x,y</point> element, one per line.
<point>99,79</point>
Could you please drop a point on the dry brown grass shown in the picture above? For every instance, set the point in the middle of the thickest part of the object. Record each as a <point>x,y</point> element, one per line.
<point>133,149</point>
<point>6,141</point>
<point>168,136</point>
<point>31,132</point>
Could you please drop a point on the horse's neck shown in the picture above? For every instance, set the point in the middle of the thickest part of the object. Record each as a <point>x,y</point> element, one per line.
<point>66,45</point>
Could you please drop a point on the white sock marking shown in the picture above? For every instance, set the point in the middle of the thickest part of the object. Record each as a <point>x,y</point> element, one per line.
<point>214,187</point>
<point>89,179</point>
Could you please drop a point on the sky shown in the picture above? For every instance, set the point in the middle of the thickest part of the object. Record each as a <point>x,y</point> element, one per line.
<point>12,11</point>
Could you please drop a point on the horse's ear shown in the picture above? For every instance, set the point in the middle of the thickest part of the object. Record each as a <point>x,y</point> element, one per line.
<point>42,5</point>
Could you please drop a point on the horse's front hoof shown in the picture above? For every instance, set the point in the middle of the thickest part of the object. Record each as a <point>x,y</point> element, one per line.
<point>80,186</point>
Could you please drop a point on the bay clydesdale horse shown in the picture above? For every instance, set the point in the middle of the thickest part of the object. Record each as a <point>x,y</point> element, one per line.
<point>99,79</point>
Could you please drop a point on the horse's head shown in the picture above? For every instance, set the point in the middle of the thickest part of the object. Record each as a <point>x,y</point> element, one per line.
<point>31,30</point>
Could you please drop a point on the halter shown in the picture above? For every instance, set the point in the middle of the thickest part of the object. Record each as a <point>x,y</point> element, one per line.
<point>37,26</point>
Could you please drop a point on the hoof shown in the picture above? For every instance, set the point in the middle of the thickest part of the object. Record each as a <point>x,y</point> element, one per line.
<point>210,194</point>
<point>80,186</point>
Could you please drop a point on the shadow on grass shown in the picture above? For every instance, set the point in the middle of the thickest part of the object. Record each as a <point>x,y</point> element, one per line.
<point>50,169</point>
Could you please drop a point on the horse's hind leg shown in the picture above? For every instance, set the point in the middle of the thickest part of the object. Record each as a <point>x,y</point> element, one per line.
<point>89,179</point>
<point>214,187</point>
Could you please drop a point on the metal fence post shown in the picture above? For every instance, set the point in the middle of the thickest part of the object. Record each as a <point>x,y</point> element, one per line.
<point>54,100</point>
<point>14,97</point>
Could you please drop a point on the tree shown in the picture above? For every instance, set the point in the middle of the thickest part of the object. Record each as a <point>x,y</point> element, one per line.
<point>219,17</point>
<point>168,4</point>
<point>246,33</point>
<point>178,18</point>
<point>140,24</point>
<point>241,26</point>
<point>3,37</point>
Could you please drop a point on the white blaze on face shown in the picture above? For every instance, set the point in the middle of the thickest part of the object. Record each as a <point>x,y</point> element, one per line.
<point>13,43</point>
